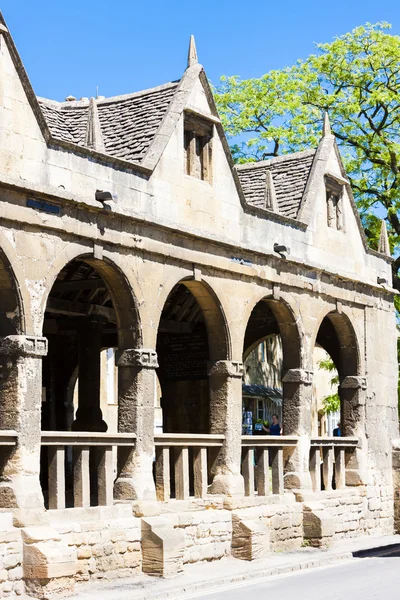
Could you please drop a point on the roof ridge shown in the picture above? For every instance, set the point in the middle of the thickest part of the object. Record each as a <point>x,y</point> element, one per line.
<point>85,103</point>
<point>276,159</point>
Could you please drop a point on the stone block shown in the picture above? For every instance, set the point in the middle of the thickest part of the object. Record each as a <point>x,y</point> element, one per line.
<point>31,535</point>
<point>250,539</point>
<point>162,547</point>
<point>318,524</point>
<point>47,589</point>
<point>49,564</point>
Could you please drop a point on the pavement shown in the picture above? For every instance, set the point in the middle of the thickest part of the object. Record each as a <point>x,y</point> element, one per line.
<point>228,577</point>
<point>359,579</point>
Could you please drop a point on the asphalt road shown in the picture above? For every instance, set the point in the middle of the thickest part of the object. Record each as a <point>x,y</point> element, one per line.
<point>360,579</point>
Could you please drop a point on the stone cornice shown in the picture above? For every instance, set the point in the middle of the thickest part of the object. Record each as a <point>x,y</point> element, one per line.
<point>176,251</point>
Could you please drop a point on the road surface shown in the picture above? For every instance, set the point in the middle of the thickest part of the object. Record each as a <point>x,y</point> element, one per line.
<point>361,579</point>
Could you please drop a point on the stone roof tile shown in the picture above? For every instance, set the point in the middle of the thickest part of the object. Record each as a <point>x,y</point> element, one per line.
<point>289,176</point>
<point>128,123</point>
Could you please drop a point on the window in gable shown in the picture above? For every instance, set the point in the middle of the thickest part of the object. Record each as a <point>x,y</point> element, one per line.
<point>198,147</point>
<point>334,201</point>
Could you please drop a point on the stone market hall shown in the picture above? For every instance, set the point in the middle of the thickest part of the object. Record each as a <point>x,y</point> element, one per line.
<point>139,268</point>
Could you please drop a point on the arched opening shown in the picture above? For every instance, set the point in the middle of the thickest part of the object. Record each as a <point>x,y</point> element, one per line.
<point>271,347</point>
<point>90,313</point>
<point>325,408</point>
<point>262,384</point>
<point>336,336</point>
<point>11,315</point>
<point>191,333</point>
<point>90,309</point>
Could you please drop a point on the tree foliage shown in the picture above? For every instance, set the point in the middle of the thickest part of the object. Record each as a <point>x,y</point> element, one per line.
<point>330,403</point>
<point>356,78</point>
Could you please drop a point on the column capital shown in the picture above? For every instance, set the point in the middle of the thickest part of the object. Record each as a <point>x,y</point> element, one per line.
<point>231,368</point>
<point>354,382</point>
<point>298,376</point>
<point>137,357</point>
<point>23,345</point>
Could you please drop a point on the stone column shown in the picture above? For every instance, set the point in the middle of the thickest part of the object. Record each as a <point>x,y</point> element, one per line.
<point>297,396</point>
<point>226,419</point>
<point>136,415</point>
<point>89,416</point>
<point>352,395</point>
<point>20,410</point>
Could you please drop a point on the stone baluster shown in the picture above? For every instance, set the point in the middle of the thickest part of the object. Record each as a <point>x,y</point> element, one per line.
<point>248,470</point>
<point>200,472</point>
<point>136,415</point>
<point>277,470</point>
<point>226,419</point>
<point>181,473</point>
<point>20,410</point>
<point>315,468</point>
<point>163,481</point>
<point>262,472</point>
<point>56,459</point>
<point>327,467</point>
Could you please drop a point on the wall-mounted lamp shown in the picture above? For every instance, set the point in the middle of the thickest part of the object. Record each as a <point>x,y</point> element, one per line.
<point>381,280</point>
<point>282,250</point>
<point>106,198</point>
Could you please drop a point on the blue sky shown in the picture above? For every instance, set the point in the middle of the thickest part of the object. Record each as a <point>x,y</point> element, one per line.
<point>70,47</point>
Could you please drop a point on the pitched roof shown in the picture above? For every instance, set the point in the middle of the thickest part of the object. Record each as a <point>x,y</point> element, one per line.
<point>289,177</point>
<point>128,123</point>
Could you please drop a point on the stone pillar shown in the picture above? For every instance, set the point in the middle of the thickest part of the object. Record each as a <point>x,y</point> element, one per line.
<point>20,410</point>
<point>297,396</point>
<point>89,416</point>
<point>136,415</point>
<point>352,396</point>
<point>226,419</point>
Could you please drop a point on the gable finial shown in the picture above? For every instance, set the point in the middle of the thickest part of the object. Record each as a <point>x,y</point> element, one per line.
<point>192,54</point>
<point>326,127</point>
<point>269,194</point>
<point>94,137</point>
<point>383,245</point>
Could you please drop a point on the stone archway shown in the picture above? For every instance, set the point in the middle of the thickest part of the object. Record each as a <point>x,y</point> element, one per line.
<point>89,307</point>
<point>336,335</point>
<point>12,321</point>
<point>274,317</point>
<point>192,334</point>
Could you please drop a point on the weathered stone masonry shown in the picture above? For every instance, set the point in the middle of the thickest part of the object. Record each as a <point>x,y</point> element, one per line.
<point>125,225</point>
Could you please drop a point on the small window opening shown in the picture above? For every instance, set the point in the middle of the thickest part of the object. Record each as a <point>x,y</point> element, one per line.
<point>197,142</point>
<point>334,200</point>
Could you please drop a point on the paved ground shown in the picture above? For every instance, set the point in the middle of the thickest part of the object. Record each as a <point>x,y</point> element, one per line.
<point>303,575</point>
<point>360,579</point>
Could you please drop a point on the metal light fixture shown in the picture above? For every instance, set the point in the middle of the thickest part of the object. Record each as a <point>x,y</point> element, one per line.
<point>282,250</point>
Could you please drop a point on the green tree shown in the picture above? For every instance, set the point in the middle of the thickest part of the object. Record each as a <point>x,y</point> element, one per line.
<point>356,78</point>
<point>330,403</point>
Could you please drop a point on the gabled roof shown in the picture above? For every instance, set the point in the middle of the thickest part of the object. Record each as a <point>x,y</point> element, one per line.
<point>128,123</point>
<point>289,173</point>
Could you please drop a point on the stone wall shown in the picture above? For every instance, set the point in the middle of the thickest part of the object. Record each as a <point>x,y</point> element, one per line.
<point>106,539</point>
<point>283,517</point>
<point>11,582</point>
<point>208,534</point>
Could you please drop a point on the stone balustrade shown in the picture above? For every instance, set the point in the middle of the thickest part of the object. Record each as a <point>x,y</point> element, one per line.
<point>262,463</point>
<point>184,463</point>
<point>8,438</point>
<point>330,452</point>
<point>88,450</point>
